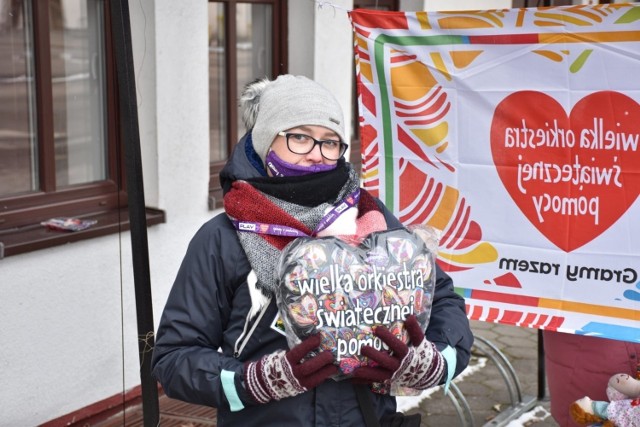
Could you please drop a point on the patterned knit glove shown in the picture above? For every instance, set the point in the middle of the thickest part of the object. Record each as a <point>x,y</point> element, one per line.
<point>420,366</point>
<point>285,373</point>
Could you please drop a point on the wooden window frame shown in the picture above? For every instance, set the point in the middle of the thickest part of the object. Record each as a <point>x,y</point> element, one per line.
<point>104,201</point>
<point>388,5</point>
<point>279,66</point>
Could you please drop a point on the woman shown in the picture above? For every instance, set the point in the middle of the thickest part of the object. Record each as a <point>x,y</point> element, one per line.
<point>216,344</point>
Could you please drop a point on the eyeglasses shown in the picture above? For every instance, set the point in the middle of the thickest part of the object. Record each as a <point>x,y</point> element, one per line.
<point>299,143</point>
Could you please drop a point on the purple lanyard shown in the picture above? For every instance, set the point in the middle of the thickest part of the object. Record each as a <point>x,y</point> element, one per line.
<point>284,230</point>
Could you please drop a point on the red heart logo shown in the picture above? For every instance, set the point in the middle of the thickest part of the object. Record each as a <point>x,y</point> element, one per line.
<point>572,177</point>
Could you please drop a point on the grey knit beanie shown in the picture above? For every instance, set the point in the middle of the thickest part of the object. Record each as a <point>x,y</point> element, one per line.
<point>269,107</point>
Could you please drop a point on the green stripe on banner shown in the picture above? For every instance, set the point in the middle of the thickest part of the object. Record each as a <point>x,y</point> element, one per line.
<point>387,151</point>
<point>387,134</point>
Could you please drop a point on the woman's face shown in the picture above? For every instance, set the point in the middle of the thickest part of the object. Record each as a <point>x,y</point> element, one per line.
<point>279,146</point>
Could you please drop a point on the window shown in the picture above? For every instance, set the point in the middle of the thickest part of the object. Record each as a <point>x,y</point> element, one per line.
<point>545,3</point>
<point>247,41</point>
<point>59,151</point>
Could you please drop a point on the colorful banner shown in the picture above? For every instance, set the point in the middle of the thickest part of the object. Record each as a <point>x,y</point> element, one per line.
<point>516,133</point>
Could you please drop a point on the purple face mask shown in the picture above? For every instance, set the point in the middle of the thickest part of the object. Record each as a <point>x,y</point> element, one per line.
<point>279,167</point>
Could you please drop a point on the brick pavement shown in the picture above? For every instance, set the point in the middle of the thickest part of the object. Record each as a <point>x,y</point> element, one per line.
<point>485,390</point>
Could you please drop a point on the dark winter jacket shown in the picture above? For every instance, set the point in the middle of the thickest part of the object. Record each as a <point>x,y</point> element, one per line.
<point>205,329</point>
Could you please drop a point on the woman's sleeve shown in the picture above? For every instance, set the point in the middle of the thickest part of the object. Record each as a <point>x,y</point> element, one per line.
<point>186,358</point>
<point>448,327</point>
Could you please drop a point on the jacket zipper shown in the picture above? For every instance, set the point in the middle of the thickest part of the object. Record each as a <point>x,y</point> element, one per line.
<point>244,336</point>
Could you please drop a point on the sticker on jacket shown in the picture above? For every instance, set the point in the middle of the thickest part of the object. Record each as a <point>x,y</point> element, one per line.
<point>278,325</point>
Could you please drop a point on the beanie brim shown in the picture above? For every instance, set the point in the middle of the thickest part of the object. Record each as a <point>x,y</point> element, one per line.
<point>292,101</point>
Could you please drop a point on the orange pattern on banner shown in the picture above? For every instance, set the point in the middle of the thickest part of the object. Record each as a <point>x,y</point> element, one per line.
<point>461,22</point>
<point>411,81</point>
<point>590,37</point>
<point>445,209</point>
<point>462,59</point>
<point>361,42</point>
<point>365,69</point>
<point>433,136</point>
<point>599,310</point>
<point>481,253</point>
<point>472,19</point>
<point>441,207</point>
<point>520,17</point>
<point>577,15</point>
<point>439,64</point>
<point>556,19</point>
<point>554,56</point>
<point>423,19</point>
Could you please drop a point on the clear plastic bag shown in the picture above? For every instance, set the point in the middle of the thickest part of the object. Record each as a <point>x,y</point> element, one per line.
<point>342,292</point>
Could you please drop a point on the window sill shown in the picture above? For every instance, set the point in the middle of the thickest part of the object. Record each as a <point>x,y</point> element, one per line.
<point>34,237</point>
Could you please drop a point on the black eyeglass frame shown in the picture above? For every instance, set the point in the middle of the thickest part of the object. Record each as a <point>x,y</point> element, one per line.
<point>343,146</point>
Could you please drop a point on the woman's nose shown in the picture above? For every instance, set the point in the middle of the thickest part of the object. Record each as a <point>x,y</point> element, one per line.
<point>315,155</point>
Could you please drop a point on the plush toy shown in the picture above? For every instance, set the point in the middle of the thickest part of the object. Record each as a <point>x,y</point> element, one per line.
<point>622,410</point>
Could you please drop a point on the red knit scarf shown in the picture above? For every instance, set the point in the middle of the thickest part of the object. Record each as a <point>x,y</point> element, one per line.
<point>244,203</point>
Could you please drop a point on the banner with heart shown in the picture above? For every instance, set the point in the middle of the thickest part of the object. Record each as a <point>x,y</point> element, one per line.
<point>517,133</point>
<point>572,175</point>
<point>342,292</point>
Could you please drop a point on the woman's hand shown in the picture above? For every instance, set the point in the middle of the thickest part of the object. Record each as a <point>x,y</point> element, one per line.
<point>286,373</point>
<point>418,366</point>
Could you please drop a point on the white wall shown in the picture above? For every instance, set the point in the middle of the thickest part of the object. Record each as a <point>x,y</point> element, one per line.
<point>321,48</point>
<point>143,34</point>
<point>182,96</point>
<point>333,53</point>
<point>301,29</point>
<point>61,329</point>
